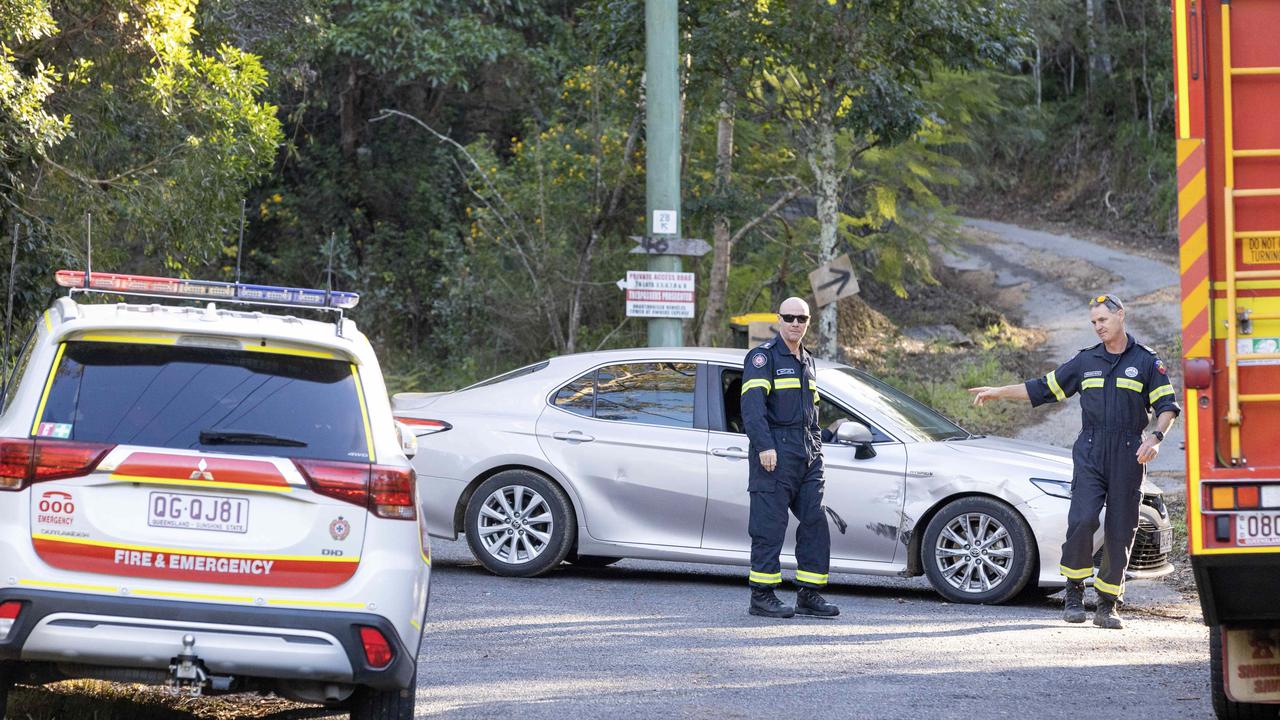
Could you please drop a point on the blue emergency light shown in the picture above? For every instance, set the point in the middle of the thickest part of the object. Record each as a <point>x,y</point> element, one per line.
<point>207,290</point>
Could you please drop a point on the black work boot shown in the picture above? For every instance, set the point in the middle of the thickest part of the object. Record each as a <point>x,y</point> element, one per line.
<point>765,604</point>
<point>1074,610</point>
<point>809,602</point>
<point>1105,616</point>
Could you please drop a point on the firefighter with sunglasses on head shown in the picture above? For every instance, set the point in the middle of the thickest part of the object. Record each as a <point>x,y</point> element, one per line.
<point>780,413</point>
<point>1121,383</point>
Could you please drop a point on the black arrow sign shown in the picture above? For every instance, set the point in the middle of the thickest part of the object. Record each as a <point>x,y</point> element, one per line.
<point>842,277</point>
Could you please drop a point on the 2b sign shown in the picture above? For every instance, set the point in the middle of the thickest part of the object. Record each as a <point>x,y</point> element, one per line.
<point>659,294</point>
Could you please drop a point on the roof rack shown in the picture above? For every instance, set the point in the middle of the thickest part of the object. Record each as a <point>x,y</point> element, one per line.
<point>77,281</point>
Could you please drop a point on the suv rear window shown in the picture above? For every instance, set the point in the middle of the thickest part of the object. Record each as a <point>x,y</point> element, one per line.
<point>208,399</point>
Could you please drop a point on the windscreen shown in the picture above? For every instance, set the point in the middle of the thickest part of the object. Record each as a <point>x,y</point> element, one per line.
<point>208,399</point>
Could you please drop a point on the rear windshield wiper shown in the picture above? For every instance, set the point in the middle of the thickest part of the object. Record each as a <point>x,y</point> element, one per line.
<point>242,437</point>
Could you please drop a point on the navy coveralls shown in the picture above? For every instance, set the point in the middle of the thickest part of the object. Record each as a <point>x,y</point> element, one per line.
<point>780,412</point>
<point>1117,396</point>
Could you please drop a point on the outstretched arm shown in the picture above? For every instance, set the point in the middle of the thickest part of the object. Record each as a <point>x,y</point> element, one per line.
<point>1004,392</point>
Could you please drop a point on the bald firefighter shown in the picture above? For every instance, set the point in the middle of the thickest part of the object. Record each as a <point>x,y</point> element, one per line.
<point>780,412</point>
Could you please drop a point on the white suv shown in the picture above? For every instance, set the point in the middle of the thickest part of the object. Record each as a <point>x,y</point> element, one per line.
<point>214,499</point>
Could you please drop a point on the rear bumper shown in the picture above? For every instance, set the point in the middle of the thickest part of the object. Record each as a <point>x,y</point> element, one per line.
<point>1239,590</point>
<point>240,641</point>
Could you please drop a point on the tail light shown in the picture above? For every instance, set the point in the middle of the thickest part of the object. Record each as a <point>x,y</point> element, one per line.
<point>422,427</point>
<point>23,462</point>
<point>377,651</point>
<point>385,491</point>
<point>391,494</point>
<point>9,610</point>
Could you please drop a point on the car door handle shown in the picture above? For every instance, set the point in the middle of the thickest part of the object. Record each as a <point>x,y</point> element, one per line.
<point>572,436</point>
<point>730,452</point>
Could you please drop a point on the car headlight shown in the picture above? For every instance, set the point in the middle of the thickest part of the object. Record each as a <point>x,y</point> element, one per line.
<point>1056,488</point>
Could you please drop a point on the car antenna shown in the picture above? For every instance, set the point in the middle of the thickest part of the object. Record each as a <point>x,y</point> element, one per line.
<point>88,248</point>
<point>8,314</point>
<point>240,247</point>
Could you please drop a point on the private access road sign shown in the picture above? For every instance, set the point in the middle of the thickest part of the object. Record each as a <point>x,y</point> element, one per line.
<point>659,294</point>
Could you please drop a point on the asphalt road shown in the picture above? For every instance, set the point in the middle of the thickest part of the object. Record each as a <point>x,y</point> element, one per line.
<point>674,640</point>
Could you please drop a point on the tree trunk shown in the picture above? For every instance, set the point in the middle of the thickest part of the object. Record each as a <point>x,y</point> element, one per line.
<point>717,290</point>
<point>822,161</point>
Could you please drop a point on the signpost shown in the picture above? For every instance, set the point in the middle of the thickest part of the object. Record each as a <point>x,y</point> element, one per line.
<point>833,281</point>
<point>659,294</point>
<point>650,245</point>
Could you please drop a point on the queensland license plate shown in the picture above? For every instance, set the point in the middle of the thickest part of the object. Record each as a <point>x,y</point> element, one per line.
<point>1166,540</point>
<point>1258,529</point>
<point>187,511</point>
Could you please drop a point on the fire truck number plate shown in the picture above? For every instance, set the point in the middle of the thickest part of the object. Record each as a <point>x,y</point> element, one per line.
<point>1258,529</point>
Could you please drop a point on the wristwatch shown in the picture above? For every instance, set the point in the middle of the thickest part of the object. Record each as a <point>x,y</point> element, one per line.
<point>1159,435</point>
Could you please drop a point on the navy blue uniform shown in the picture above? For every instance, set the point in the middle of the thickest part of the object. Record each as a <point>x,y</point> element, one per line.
<point>1117,395</point>
<point>780,412</point>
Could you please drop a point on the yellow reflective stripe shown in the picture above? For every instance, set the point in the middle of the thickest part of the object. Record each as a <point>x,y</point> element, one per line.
<point>1092,383</point>
<point>1106,587</point>
<point>48,385</point>
<point>815,396</point>
<point>1052,379</point>
<point>1128,384</point>
<point>765,578</point>
<point>48,324</point>
<point>762,384</point>
<point>1074,574</point>
<point>364,412</point>
<point>811,578</point>
<point>786,384</point>
<point>1160,392</point>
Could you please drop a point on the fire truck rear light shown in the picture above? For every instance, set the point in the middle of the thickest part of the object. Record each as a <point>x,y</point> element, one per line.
<point>391,493</point>
<point>1222,528</point>
<point>9,610</point>
<point>377,651</point>
<point>1222,498</point>
<point>1247,496</point>
<point>1270,496</point>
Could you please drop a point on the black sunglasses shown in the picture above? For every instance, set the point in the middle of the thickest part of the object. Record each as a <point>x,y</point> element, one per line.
<point>802,319</point>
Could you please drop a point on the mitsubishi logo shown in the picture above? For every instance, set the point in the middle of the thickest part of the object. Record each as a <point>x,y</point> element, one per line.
<point>202,472</point>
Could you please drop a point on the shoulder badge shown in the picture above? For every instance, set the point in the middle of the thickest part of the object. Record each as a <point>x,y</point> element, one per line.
<point>1147,348</point>
<point>758,359</point>
<point>1160,368</point>
<point>766,345</point>
<point>1087,349</point>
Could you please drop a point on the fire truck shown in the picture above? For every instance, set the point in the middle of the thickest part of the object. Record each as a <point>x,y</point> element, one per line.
<point>1227,62</point>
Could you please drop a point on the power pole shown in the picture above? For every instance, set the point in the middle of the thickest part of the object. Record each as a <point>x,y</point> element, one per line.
<point>662,149</point>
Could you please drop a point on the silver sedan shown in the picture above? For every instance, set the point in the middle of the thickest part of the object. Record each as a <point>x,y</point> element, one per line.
<point>640,453</point>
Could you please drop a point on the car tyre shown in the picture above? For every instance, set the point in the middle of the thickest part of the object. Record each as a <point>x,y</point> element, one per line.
<point>520,524</point>
<point>591,561</point>
<point>7,674</point>
<point>1224,707</point>
<point>368,703</point>
<point>978,550</point>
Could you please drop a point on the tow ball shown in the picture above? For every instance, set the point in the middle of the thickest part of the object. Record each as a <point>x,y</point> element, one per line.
<point>187,675</point>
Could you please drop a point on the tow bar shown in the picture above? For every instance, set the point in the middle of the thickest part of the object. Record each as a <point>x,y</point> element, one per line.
<point>187,675</point>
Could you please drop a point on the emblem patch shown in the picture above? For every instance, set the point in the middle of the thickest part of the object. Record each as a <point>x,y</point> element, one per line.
<point>1160,368</point>
<point>759,360</point>
<point>339,529</point>
<point>1131,371</point>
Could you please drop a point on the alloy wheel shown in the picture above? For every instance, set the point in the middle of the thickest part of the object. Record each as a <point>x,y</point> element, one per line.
<point>974,552</point>
<point>515,524</point>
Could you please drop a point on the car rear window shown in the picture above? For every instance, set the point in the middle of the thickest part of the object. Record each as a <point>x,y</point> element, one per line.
<point>209,399</point>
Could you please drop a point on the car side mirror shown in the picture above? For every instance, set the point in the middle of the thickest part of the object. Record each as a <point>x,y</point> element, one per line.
<point>408,441</point>
<point>859,435</point>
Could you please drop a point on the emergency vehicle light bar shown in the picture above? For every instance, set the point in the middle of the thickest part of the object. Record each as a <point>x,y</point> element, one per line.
<point>206,289</point>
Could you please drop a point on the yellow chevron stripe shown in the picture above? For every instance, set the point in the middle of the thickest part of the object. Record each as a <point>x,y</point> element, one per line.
<point>1191,194</point>
<point>1196,301</point>
<point>1195,247</point>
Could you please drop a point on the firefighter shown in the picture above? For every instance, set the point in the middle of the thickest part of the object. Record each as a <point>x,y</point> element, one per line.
<point>1120,383</point>
<point>780,412</point>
